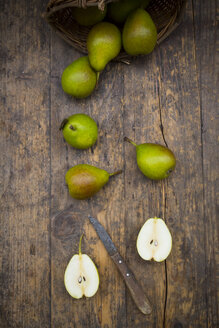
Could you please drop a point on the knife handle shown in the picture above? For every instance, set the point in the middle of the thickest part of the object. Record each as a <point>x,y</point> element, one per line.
<point>135,289</point>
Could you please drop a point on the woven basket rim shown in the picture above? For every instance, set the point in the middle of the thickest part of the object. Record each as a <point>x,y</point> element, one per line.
<point>174,21</point>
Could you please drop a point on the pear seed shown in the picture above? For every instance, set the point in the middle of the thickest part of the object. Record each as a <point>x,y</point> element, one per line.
<point>151,242</point>
<point>84,278</point>
<point>155,243</point>
<point>80,279</point>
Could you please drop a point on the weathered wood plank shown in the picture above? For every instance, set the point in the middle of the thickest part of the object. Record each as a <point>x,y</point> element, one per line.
<point>25,166</point>
<point>180,105</point>
<point>176,87</point>
<point>107,307</point>
<point>206,42</point>
<point>143,198</point>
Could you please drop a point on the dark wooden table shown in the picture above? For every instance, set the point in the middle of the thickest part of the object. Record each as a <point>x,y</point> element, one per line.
<point>168,97</point>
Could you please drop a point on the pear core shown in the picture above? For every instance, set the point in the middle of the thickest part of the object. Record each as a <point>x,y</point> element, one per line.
<point>154,240</point>
<point>81,276</point>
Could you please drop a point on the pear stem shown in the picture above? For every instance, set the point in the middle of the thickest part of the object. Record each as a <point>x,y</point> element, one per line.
<point>62,125</point>
<point>130,141</point>
<point>115,173</point>
<point>80,243</point>
<point>98,75</point>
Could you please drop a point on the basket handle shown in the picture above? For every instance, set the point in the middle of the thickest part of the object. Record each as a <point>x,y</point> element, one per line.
<point>81,4</point>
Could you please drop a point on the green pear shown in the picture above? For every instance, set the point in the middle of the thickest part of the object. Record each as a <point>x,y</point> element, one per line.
<point>80,131</point>
<point>85,180</point>
<point>79,79</point>
<point>88,16</point>
<point>139,34</point>
<point>119,11</point>
<point>81,276</point>
<point>103,44</point>
<point>155,161</point>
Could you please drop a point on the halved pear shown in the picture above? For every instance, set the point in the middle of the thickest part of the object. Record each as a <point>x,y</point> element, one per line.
<point>81,276</point>
<point>154,240</point>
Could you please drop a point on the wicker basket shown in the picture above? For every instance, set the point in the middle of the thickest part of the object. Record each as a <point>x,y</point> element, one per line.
<point>167,15</point>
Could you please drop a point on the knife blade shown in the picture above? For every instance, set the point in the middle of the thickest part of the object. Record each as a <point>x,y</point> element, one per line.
<point>135,289</point>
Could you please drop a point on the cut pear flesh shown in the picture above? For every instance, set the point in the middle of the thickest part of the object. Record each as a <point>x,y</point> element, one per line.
<point>81,276</point>
<point>154,240</point>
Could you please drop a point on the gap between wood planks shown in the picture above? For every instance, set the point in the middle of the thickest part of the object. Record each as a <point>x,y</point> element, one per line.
<point>50,179</point>
<point>165,262</point>
<point>164,200</point>
<point>198,76</point>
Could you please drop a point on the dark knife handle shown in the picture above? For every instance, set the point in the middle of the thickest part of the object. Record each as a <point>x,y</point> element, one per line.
<point>135,289</point>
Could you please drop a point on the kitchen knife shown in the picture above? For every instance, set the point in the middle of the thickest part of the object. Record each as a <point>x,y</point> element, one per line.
<point>135,289</point>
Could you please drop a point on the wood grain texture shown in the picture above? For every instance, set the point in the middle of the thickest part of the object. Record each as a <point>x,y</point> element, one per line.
<point>206,53</point>
<point>143,197</point>
<point>25,166</point>
<point>107,308</point>
<point>168,97</point>
<point>180,106</point>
